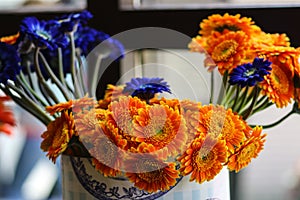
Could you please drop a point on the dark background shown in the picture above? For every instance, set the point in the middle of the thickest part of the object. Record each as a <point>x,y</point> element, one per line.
<point>108,18</point>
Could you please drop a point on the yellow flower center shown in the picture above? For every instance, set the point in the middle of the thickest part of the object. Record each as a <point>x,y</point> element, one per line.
<point>247,153</point>
<point>224,50</point>
<point>204,157</point>
<point>279,80</point>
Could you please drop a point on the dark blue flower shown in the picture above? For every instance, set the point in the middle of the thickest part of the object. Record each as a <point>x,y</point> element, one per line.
<point>87,39</point>
<point>69,22</point>
<point>42,33</point>
<point>9,63</point>
<point>250,73</point>
<point>146,88</point>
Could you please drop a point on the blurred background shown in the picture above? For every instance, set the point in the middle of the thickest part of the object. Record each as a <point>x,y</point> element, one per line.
<point>274,175</point>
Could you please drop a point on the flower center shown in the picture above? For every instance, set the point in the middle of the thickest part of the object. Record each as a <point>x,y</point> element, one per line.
<point>224,50</point>
<point>279,80</point>
<point>204,156</point>
<point>228,27</point>
<point>250,72</point>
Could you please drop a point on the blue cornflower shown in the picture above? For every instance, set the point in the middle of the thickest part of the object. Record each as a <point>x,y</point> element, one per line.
<point>146,88</point>
<point>9,63</point>
<point>250,73</point>
<point>69,22</point>
<point>42,33</point>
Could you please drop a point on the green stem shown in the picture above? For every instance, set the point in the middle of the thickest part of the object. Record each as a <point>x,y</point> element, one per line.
<point>73,67</point>
<point>237,94</point>
<point>81,73</point>
<point>229,91</point>
<point>31,91</point>
<point>54,78</point>
<point>243,96</point>
<point>27,104</point>
<point>61,67</point>
<point>248,112</point>
<point>279,121</point>
<point>222,90</point>
<point>212,86</point>
<point>94,82</point>
<point>41,78</point>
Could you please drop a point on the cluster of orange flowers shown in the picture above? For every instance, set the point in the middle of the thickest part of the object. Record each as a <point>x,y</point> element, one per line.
<point>152,143</point>
<point>231,40</point>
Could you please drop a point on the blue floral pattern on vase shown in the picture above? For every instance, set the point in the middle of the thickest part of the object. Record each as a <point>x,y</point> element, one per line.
<point>108,188</point>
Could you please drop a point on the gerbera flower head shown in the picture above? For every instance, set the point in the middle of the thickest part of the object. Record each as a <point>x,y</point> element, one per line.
<point>161,127</point>
<point>146,88</point>
<point>249,74</point>
<point>222,124</point>
<point>69,22</point>
<point>247,151</point>
<point>57,136</point>
<point>204,159</point>
<point>9,63</point>
<point>42,33</point>
<point>278,86</point>
<point>107,156</point>
<point>228,50</point>
<point>218,23</point>
<point>151,174</point>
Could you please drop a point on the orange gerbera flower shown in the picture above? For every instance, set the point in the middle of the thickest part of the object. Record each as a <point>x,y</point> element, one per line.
<point>107,157</point>
<point>228,50</point>
<point>162,127</point>
<point>57,135</point>
<point>150,174</point>
<point>112,93</point>
<point>7,119</point>
<point>198,44</point>
<point>250,149</point>
<point>59,107</point>
<point>203,159</point>
<point>223,124</point>
<point>191,113</point>
<point>120,119</point>
<point>10,39</point>
<point>228,22</point>
<point>278,86</point>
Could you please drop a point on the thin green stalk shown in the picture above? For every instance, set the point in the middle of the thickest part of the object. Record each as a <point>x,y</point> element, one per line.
<point>248,112</point>
<point>73,70</point>
<point>61,67</point>
<point>229,91</point>
<point>29,74</point>
<point>41,78</point>
<point>94,81</point>
<point>54,78</point>
<point>31,91</point>
<point>237,95</point>
<point>222,90</point>
<point>212,86</point>
<point>27,104</point>
<point>279,121</point>
<point>243,96</point>
<point>81,73</point>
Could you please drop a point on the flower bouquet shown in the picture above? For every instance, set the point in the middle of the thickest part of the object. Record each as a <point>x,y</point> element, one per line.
<point>135,132</point>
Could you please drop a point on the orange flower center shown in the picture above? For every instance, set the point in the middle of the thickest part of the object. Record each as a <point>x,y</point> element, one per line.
<point>279,80</point>
<point>247,153</point>
<point>224,50</point>
<point>204,157</point>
